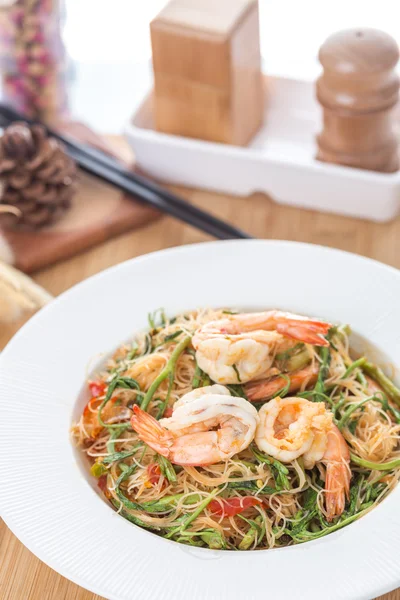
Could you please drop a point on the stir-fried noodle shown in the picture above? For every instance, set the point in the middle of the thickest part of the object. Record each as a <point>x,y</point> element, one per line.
<point>250,500</point>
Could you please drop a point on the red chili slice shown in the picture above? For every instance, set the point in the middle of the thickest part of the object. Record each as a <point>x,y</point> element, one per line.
<point>153,473</point>
<point>102,482</point>
<point>232,506</point>
<point>97,388</point>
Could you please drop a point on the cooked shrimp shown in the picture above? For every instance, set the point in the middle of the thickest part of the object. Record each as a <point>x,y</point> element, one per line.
<point>242,347</point>
<point>336,458</point>
<point>294,427</point>
<point>265,389</point>
<point>205,428</point>
<point>200,392</point>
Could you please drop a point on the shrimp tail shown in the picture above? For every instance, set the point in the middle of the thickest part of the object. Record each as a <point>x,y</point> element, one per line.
<point>337,486</point>
<point>264,390</point>
<point>150,431</point>
<point>307,331</point>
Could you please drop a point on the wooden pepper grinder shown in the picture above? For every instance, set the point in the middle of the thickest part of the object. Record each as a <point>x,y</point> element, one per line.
<point>358,90</point>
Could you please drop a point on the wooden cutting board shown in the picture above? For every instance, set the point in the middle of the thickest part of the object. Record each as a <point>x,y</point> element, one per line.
<point>99,211</point>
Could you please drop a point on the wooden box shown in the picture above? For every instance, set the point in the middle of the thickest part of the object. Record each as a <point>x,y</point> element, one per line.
<point>207,70</point>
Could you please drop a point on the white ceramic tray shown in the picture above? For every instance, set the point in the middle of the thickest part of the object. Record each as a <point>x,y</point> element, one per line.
<point>279,161</point>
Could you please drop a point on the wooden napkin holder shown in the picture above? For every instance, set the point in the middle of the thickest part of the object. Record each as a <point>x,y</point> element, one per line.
<point>207,70</point>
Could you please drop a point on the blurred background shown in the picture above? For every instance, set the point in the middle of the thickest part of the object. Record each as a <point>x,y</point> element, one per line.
<point>109,46</point>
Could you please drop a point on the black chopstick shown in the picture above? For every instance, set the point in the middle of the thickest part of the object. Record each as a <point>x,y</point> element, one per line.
<point>110,170</point>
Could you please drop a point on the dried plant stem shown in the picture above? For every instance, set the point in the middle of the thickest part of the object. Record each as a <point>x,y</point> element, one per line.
<point>19,293</point>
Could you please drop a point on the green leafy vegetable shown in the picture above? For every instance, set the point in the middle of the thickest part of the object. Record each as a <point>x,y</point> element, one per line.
<point>198,374</point>
<point>172,336</point>
<point>234,367</point>
<point>305,536</point>
<point>121,496</point>
<point>304,516</point>
<point>374,466</point>
<point>250,486</point>
<point>352,426</point>
<point>278,470</point>
<point>375,398</point>
<point>166,372</point>
<point>167,469</point>
<point>237,390</point>
<point>213,538</point>
<point>256,529</point>
<point>323,372</point>
<point>114,435</point>
<point>355,365</point>
<point>132,353</point>
<point>164,404</point>
<point>157,315</point>
<point>282,392</point>
<point>167,503</point>
<point>107,460</point>
<point>192,516</point>
<point>129,517</point>
<point>349,411</point>
<point>354,495</point>
<point>117,382</point>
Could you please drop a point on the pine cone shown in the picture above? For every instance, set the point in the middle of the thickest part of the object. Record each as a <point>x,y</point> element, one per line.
<point>37,177</point>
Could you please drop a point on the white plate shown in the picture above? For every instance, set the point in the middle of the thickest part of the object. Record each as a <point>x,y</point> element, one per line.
<point>279,161</point>
<point>45,496</point>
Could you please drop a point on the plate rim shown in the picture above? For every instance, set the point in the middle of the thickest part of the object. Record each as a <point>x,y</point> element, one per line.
<point>8,519</point>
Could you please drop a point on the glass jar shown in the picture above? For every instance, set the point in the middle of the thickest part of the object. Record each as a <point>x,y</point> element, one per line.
<point>33,57</point>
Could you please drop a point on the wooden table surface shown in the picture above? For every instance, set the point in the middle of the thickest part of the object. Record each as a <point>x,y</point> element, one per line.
<point>22,575</point>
